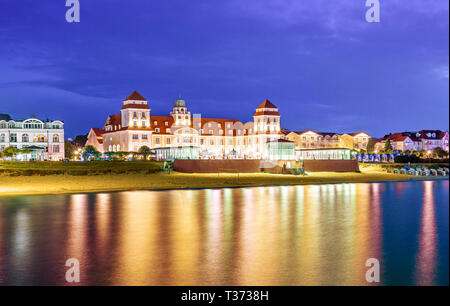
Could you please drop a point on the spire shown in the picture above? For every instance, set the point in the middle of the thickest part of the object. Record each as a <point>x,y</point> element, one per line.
<point>135,96</point>
<point>266,104</point>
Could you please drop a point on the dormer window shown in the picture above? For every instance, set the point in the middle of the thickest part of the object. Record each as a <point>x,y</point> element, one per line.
<point>166,123</point>
<point>155,122</point>
<point>157,130</point>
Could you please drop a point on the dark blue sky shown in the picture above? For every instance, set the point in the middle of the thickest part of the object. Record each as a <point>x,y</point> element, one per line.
<point>319,61</point>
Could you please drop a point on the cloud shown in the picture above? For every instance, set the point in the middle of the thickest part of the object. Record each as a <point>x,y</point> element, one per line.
<point>442,72</point>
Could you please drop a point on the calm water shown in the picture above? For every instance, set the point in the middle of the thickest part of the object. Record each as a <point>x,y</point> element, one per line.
<point>301,235</point>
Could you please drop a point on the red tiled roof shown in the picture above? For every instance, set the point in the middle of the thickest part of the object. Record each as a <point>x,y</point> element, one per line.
<point>114,119</point>
<point>161,123</point>
<point>138,106</point>
<point>394,137</point>
<point>135,96</point>
<point>266,104</point>
<point>439,134</point>
<point>267,113</point>
<point>98,132</point>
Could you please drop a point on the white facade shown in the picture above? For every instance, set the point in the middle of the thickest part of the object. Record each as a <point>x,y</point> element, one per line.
<point>45,138</point>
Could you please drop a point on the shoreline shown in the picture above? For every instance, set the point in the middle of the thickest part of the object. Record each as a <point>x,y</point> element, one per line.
<point>65,184</point>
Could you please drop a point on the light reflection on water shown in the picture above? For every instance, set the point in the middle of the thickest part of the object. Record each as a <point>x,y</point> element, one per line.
<point>296,235</point>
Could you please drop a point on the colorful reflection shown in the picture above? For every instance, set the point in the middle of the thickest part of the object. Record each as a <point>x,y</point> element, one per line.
<point>426,257</point>
<point>296,235</point>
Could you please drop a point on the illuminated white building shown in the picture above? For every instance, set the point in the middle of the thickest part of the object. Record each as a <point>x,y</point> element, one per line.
<point>213,138</point>
<point>45,139</point>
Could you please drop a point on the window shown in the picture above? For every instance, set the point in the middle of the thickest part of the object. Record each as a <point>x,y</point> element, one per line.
<point>157,130</point>
<point>166,123</point>
<point>135,123</point>
<point>202,141</point>
<point>144,124</point>
<point>55,138</point>
<point>2,137</point>
<point>211,142</point>
<point>211,132</point>
<point>25,138</point>
<point>155,122</point>
<point>186,117</point>
<point>135,136</point>
<point>157,140</point>
<point>13,137</point>
<point>56,149</point>
<point>220,132</point>
<point>134,115</point>
<point>168,141</point>
<point>143,115</point>
<point>230,132</point>
<point>31,124</point>
<point>144,137</point>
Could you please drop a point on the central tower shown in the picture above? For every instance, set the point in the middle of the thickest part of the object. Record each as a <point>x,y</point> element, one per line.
<point>135,111</point>
<point>180,114</point>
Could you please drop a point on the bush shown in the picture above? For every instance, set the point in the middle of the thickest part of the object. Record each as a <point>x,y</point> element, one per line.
<point>407,159</point>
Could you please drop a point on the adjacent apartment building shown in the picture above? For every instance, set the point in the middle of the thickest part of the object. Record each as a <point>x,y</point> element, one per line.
<point>415,141</point>
<point>44,139</point>
<point>311,139</point>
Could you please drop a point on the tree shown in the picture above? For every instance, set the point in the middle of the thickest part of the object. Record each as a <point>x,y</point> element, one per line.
<point>80,140</point>
<point>370,145</point>
<point>439,152</point>
<point>10,151</point>
<point>145,152</point>
<point>69,149</point>
<point>388,146</point>
<point>90,151</point>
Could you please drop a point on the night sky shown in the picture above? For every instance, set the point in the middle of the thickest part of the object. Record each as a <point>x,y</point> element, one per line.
<point>319,61</point>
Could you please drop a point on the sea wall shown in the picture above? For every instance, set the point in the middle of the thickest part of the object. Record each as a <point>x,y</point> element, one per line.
<point>249,166</point>
<point>331,165</point>
<point>216,165</point>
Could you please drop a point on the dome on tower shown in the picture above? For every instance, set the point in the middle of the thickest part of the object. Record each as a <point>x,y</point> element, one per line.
<point>180,103</point>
